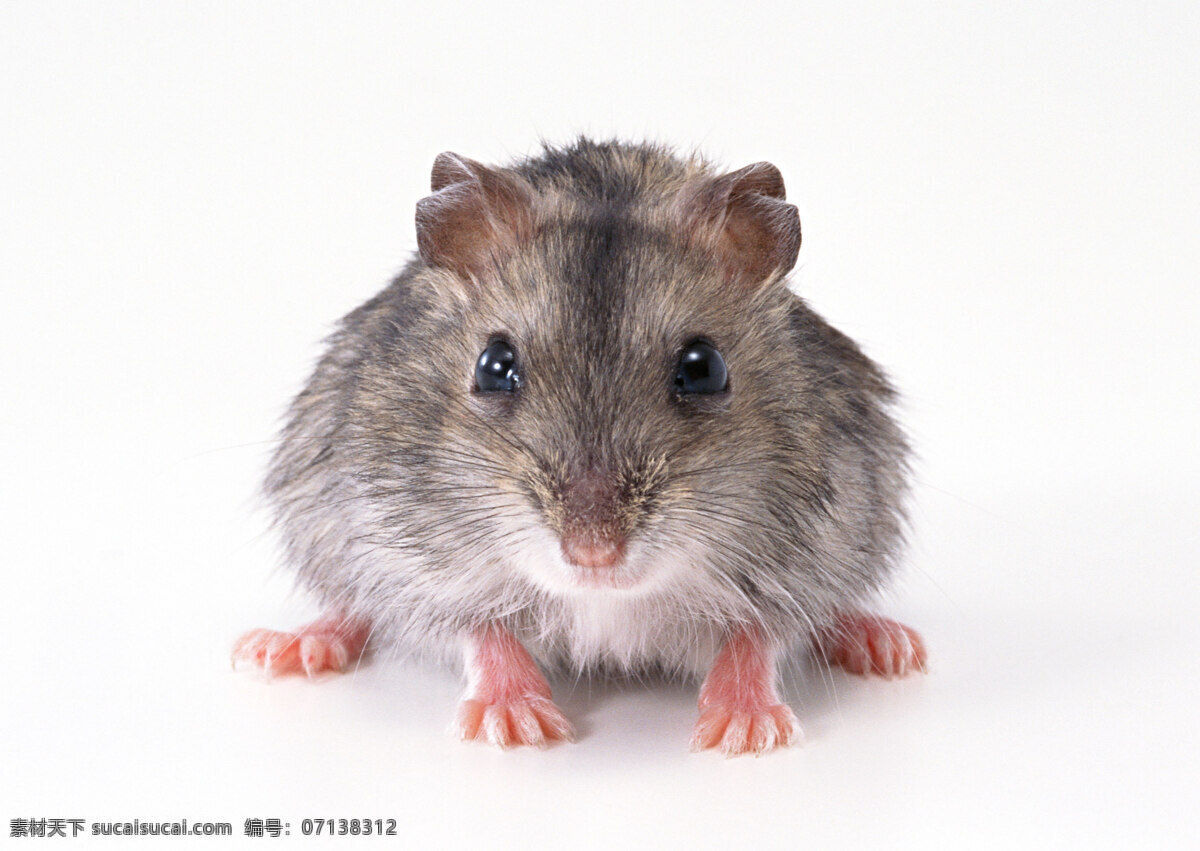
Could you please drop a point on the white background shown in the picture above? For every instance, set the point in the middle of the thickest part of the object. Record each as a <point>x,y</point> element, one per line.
<point>1000,201</point>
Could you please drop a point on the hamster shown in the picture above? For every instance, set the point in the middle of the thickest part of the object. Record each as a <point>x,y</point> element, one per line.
<point>589,427</point>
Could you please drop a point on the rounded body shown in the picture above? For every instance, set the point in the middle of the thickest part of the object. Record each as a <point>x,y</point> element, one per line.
<point>607,512</point>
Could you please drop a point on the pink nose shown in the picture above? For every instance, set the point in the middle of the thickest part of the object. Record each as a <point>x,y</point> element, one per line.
<point>588,551</point>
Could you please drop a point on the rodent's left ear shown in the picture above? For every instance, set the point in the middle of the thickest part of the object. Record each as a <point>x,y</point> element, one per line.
<point>744,219</point>
<point>475,214</point>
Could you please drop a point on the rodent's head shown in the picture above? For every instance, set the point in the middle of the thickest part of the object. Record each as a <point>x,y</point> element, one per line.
<point>608,376</point>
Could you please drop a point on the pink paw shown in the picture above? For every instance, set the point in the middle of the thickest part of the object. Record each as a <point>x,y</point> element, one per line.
<point>741,729</point>
<point>866,644</point>
<point>524,720</point>
<point>312,650</point>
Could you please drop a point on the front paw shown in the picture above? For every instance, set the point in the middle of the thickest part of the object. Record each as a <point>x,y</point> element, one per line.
<point>511,722</point>
<point>737,728</point>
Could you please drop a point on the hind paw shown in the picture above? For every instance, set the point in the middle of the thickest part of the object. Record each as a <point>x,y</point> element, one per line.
<point>326,645</point>
<point>867,644</point>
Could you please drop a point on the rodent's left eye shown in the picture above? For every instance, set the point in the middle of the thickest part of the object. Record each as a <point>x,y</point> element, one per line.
<point>701,369</point>
<point>496,369</point>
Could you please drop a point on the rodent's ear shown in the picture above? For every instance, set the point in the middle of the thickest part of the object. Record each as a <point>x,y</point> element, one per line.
<point>743,218</point>
<point>474,214</point>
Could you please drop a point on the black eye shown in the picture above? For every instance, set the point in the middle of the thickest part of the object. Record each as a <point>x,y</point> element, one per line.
<point>701,370</point>
<point>496,368</point>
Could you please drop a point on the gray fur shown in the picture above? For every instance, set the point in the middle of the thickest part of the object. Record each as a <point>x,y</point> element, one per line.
<point>406,500</point>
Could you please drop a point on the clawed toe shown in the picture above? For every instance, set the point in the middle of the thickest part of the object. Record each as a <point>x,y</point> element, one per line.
<point>528,721</point>
<point>269,651</point>
<point>327,645</point>
<point>743,730</point>
<point>865,644</point>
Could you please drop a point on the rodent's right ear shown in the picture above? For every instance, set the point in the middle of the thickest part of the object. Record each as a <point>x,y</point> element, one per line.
<point>474,215</point>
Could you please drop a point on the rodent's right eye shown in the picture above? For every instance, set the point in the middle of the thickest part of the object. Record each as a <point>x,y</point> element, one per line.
<point>496,369</point>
